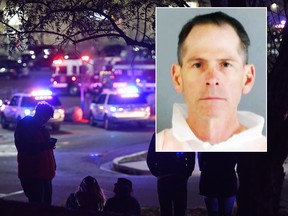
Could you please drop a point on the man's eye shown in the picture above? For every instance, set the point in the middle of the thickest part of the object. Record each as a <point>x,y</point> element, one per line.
<point>227,64</point>
<point>196,65</point>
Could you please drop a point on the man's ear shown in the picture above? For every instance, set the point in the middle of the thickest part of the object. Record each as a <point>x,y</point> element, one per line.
<point>249,78</point>
<point>176,78</point>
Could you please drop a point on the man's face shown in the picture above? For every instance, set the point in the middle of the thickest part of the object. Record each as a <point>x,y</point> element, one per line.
<point>213,74</point>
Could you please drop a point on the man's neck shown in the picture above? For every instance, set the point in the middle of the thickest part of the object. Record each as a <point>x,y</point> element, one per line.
<point>215,130</point>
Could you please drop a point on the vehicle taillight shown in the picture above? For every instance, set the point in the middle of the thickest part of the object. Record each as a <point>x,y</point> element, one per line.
<point>148,109</point>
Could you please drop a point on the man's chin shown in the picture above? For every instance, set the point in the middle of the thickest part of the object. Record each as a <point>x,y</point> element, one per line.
<point>213,114</point>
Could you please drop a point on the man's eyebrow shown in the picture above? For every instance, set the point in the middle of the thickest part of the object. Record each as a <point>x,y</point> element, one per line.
<point>194,58</point>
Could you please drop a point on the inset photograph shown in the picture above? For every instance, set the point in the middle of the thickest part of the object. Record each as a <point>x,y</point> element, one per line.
<point>211,79</point>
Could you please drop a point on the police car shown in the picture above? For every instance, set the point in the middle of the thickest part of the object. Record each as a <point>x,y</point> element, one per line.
<point>121,106</point>
<point>23,104</point>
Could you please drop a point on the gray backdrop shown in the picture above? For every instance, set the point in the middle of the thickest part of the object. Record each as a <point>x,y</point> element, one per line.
<point>169,22</point>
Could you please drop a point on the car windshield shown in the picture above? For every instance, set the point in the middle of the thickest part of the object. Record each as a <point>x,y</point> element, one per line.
<point>117,99</point>
<point>32,102</point>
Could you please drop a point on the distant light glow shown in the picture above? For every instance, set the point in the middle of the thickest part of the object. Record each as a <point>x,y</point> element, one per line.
<point>73,78</point>
<point>280,25</point>
<point>119,84</point>
<point>274,7</point>
<point>85,58</point>
<point>47,51</point>
<point>136,49</point>
<point>193,4</point>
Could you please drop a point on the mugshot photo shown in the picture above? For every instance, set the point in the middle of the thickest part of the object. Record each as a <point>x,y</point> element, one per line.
<point>211,78</point>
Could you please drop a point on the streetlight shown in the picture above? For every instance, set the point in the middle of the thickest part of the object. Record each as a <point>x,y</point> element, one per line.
<point>274,7</point>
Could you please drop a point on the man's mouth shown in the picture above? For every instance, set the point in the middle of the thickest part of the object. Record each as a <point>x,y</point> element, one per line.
<point>212,98</point>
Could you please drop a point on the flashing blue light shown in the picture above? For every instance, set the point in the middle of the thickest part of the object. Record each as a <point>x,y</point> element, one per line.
<point>43,92</point>
<point>128,90</point>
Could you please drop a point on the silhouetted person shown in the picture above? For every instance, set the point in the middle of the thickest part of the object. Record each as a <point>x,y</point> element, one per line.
<point>123,202</point>
<point>89,196</point>
<point>36,162</point>
<point>172,170</point>
<point>218,181</point>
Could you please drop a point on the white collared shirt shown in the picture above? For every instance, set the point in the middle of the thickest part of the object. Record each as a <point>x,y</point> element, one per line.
<point>180,138</point>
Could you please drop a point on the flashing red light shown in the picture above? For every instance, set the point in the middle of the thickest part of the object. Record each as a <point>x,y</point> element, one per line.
<point>85,58</point>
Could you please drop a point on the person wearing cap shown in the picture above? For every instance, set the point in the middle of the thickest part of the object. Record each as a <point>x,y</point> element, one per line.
<point>36,162</point>
<point>123,202</point>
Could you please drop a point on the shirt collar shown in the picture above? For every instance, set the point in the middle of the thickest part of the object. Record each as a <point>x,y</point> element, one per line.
<point>182,132</point>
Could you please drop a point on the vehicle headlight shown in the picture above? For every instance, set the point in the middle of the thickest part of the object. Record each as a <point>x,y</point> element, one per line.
<point>113,109</point>
<point>27,112</point>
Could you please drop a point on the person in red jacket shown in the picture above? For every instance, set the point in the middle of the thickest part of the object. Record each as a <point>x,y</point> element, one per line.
<point>36,162</point>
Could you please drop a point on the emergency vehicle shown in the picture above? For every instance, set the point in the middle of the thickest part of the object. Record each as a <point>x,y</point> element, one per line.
<point>23,104</point>
<point>70,74</point>
<point>126,105</point>
<point>140,73</point>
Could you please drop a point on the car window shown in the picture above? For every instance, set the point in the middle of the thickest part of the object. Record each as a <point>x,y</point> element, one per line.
<point>32,102</point>
<point>101,99</point>
<point>62,70</point>
<point>14,101</point>
<point>117,99</point>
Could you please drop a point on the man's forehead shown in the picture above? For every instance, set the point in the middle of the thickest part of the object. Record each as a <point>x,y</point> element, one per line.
<point>202,38</point>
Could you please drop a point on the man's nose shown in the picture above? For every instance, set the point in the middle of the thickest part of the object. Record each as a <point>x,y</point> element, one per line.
<point>212,76</point>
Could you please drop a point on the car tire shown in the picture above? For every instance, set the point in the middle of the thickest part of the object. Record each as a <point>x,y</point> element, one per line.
<point>73,90</point>
<point>56,127</point>
<point>108,124</point>
<point>142,124</point>
<point>4,123</point>
<point>91,120</point>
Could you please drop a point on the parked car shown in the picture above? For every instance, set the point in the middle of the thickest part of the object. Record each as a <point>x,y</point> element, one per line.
<point>23,104</point>
<point>11,69</point>
<point>111,108</point>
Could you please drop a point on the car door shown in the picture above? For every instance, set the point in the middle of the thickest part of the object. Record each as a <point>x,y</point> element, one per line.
<point>10,111</point>
<point>98,107</point>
